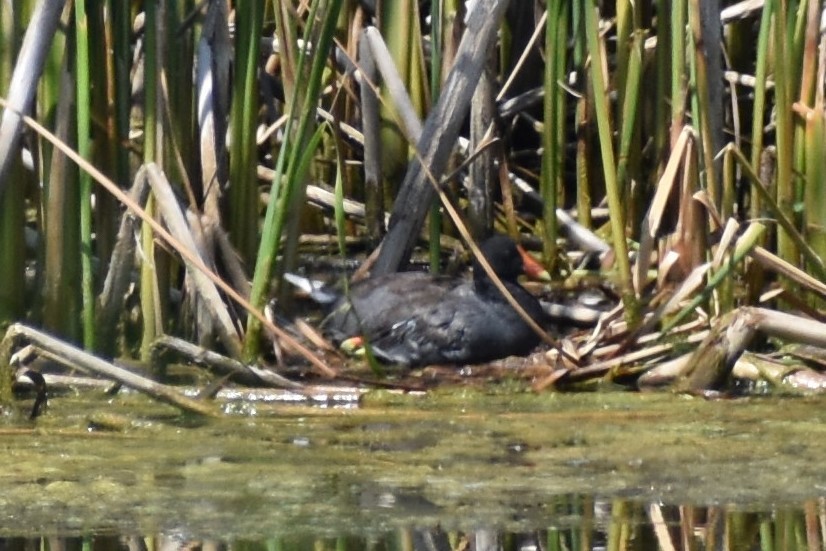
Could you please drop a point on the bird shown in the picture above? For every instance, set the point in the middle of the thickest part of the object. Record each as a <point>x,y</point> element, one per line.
<point>416,319</point>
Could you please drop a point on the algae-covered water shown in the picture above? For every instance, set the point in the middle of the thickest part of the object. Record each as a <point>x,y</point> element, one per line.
<point>459,460</point>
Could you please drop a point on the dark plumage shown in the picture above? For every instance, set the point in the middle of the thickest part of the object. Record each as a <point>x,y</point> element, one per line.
<point>415,319</point>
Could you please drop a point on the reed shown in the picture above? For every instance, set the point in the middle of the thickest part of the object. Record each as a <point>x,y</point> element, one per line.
<point>83,80</point>
<point>294,156</point>
<point>553,141</point>
<point>243,200</point>
<point>12,206</point>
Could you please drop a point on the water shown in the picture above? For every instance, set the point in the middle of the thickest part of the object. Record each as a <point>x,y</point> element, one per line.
<point>512,467</point>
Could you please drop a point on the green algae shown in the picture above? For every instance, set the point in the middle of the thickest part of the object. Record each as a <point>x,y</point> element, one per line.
<point>462,458</point>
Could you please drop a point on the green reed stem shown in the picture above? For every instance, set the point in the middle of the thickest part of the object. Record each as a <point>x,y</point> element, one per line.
<point>150,294</point>
<point>552,148</point>
<point>289,172</point>
<point>84,149</point>
<point>608,164</point>
<point>761,72</point>
<point>436,45</point>
<point>243,200</point>
<point>784,143</point>
<point>630,106</point>
<point>815,190</point>
<point>12,205</point>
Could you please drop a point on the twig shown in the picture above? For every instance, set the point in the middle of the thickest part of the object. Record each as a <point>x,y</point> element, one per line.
<point>70,355</point>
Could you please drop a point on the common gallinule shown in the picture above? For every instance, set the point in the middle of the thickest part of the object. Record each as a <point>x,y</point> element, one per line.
<point>414,319</point>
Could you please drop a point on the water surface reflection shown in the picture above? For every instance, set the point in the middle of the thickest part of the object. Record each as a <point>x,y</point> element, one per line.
<point>459,470</point>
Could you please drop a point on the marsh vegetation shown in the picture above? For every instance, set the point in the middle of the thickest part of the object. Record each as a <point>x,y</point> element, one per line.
<point>181,157</point>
